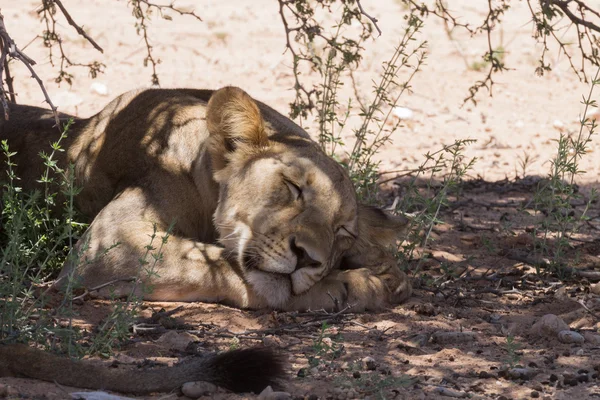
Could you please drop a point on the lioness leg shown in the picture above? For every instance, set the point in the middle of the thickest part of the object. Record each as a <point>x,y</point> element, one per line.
<point>115,248</point>
<point>359,289</point>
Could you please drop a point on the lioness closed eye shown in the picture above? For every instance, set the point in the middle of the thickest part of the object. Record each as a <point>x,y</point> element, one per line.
<point>262,217</point>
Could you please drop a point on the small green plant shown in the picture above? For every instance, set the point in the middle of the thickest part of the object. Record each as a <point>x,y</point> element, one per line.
<point>554,196</point>
<point>524,162</point>
<point>38,232</point>
<point>373,384</point>
<point>325,347</point>
<point>428,191</point>
<point>512,348</point>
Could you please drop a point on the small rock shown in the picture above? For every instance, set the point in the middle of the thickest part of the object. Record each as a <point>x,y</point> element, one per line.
<point>583,378</point>
<point>125,359</point>
<point>595,288</point>
<point>570,379</point>
<point>568,336</point>
<point>449,393</point>
<point>426,309</point>
<point>99,88</point>
<point>419,340</point>
<point>591,338</point>
<point>548,325</point>
<point>198,389</point>
<point>485,375</point>
<point>270,394</point>
<point>403,112</point>
<point>558,124</point>
<point>370,364</point>
<point>535,395</point>
<point>521,373</point>
<point>453,337</point>
<point>3,390</point>
<point>271,341</point>
<point>177,341</point>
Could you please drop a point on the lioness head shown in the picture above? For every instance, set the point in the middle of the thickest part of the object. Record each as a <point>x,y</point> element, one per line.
<point>284,207</point>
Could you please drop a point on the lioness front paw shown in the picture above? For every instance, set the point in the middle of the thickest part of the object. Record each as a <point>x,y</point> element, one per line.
<point>383,265</point>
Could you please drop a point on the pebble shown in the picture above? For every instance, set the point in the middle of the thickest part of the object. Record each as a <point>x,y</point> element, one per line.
<point>99,88</point>
<point>403,112</point>
<point>485,375</point>
<point>198,389</point>
<point>568,336</point>
<point>548,325</point>
<point>370,364</point>
<point>521,373</point>
<point>177,340</point>
<point>591,338</point>
<point>270,394</point>
<point>449,393</point>
<point>272,341</point>
<point>570,379</point>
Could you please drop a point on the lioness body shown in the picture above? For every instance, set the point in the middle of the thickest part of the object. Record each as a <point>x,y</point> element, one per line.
<point>260,216</point>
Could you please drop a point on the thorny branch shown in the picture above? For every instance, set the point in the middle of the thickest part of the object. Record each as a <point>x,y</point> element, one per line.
<point>373,20</point>
<point>51,38</point>
<point>547,16</point>
<point>143,16</point>
<point>77,27</point>
<point>9,48</point>
<point>306,40</point>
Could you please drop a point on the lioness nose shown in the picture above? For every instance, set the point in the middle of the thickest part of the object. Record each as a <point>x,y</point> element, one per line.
<point>302,257</point>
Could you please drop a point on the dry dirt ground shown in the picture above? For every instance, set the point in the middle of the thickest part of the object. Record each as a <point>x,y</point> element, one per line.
<point>478,278</point>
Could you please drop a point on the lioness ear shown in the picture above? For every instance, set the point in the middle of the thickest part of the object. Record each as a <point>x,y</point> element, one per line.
<point>376,227</point>
<point>235,125</point>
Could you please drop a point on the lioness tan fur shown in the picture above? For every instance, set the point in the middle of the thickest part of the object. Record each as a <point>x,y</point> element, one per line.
<point>261,217</point>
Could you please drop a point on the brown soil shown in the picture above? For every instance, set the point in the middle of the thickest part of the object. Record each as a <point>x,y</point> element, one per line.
<point>479,275</point>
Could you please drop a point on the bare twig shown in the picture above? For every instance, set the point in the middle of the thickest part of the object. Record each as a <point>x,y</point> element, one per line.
<point>52,38</point>
<point>373,20</point>
<point>586,308</point>
<point>564,6</point>
<point>9,48</point>
<point>171,7</point>
<point>143,16</point>
<point>541,262</point>
<point>78,28</point>
<point>9,78</point>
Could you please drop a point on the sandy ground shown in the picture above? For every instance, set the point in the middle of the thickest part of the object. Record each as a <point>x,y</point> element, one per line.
<point>496,295</point>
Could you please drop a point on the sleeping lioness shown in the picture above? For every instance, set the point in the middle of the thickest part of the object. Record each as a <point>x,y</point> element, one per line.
<point>260,216</point>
